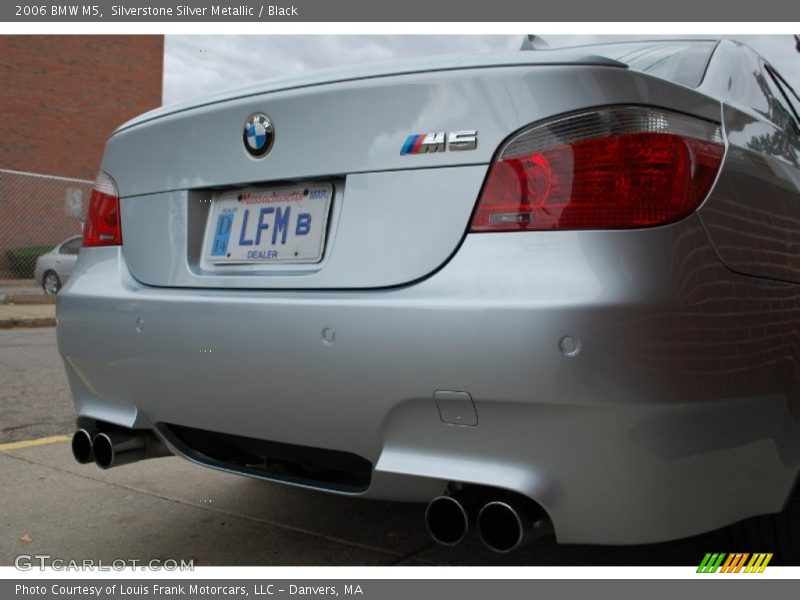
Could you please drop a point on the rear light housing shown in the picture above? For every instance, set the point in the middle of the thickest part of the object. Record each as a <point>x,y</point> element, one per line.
<point>103,226</point>
<point>611,168</point>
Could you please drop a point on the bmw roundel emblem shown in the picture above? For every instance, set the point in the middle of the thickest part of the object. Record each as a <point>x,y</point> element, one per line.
<point>258,135</point>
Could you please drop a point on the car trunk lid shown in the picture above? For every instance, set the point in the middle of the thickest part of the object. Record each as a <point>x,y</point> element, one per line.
<point>382,212</point>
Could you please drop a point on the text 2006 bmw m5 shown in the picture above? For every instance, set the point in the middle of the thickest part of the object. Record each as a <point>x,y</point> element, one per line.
<point>546,290</point>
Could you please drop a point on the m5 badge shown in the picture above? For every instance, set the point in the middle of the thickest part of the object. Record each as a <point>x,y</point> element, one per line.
<point>440,142</point>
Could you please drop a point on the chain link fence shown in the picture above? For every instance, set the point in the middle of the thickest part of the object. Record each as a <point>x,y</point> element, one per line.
<point>37,212</point>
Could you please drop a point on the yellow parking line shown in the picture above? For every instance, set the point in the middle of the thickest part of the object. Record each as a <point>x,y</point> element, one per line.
<point>53,439</point>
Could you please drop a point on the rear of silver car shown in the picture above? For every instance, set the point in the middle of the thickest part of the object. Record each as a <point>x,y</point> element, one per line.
<point>405,339</point>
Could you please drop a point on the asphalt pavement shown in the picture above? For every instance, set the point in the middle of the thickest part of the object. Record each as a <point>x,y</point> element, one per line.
<point>168,508</point>
<point>34,397</point>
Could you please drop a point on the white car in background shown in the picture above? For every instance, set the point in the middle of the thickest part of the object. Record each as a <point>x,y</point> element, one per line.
<point>53,269</point>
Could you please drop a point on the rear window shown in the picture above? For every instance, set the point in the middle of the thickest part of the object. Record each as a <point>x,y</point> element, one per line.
<point>681,62</point>
<point>71,246</point>
<point>788,92</point>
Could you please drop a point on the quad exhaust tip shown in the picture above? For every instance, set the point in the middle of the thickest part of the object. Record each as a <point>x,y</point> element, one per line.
<point>500,527</point>
<point>505,526</point>
<point>504,520</point>
<point>82,446</point>
<point>108,451</point>
<point>116,447</point>
<point>447,520</point>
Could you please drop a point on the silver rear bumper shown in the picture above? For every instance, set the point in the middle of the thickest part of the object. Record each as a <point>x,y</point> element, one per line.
<point>678,415</point>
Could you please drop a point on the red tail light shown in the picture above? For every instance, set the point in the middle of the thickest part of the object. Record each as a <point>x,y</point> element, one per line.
<point>103,227</point>
<point>614,168</point>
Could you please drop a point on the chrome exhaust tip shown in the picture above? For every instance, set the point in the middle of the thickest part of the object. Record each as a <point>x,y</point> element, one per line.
<point>82,446</point>
<point>447,520</point>
<point>500,527</point>
<point>113,449</point>
<point>506,526</point>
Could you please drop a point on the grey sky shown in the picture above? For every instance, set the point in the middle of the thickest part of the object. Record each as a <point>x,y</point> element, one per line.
<point>195,65</point>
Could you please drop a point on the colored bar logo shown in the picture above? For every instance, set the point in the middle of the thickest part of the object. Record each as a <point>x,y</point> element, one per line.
<point>412,144</point>
<point>734,563</point>
<point>440,141</point>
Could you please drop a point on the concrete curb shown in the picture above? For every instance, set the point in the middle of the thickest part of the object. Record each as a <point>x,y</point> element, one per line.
<point>28,299</point>
<point>12,322</point>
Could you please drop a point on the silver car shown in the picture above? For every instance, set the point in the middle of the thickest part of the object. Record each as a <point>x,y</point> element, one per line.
<point>54,268</point>
<point>550,290</point>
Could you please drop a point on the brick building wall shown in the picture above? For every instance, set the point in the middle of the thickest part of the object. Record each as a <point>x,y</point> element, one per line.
<point>60,99</point>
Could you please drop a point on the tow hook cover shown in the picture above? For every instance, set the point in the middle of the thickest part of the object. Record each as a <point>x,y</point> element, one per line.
<point>456,408</point>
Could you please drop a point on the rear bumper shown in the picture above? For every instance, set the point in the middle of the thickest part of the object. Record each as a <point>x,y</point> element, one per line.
<point>678,415</point>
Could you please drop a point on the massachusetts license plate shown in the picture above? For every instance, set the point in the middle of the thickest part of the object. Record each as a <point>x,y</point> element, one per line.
<point>268,225</point>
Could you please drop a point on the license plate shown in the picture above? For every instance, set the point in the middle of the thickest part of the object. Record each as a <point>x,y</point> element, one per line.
<point>268,225</point>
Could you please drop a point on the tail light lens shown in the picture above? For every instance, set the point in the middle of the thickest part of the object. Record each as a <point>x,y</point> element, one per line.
<point>103,227</point>
<point>614,168</point>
